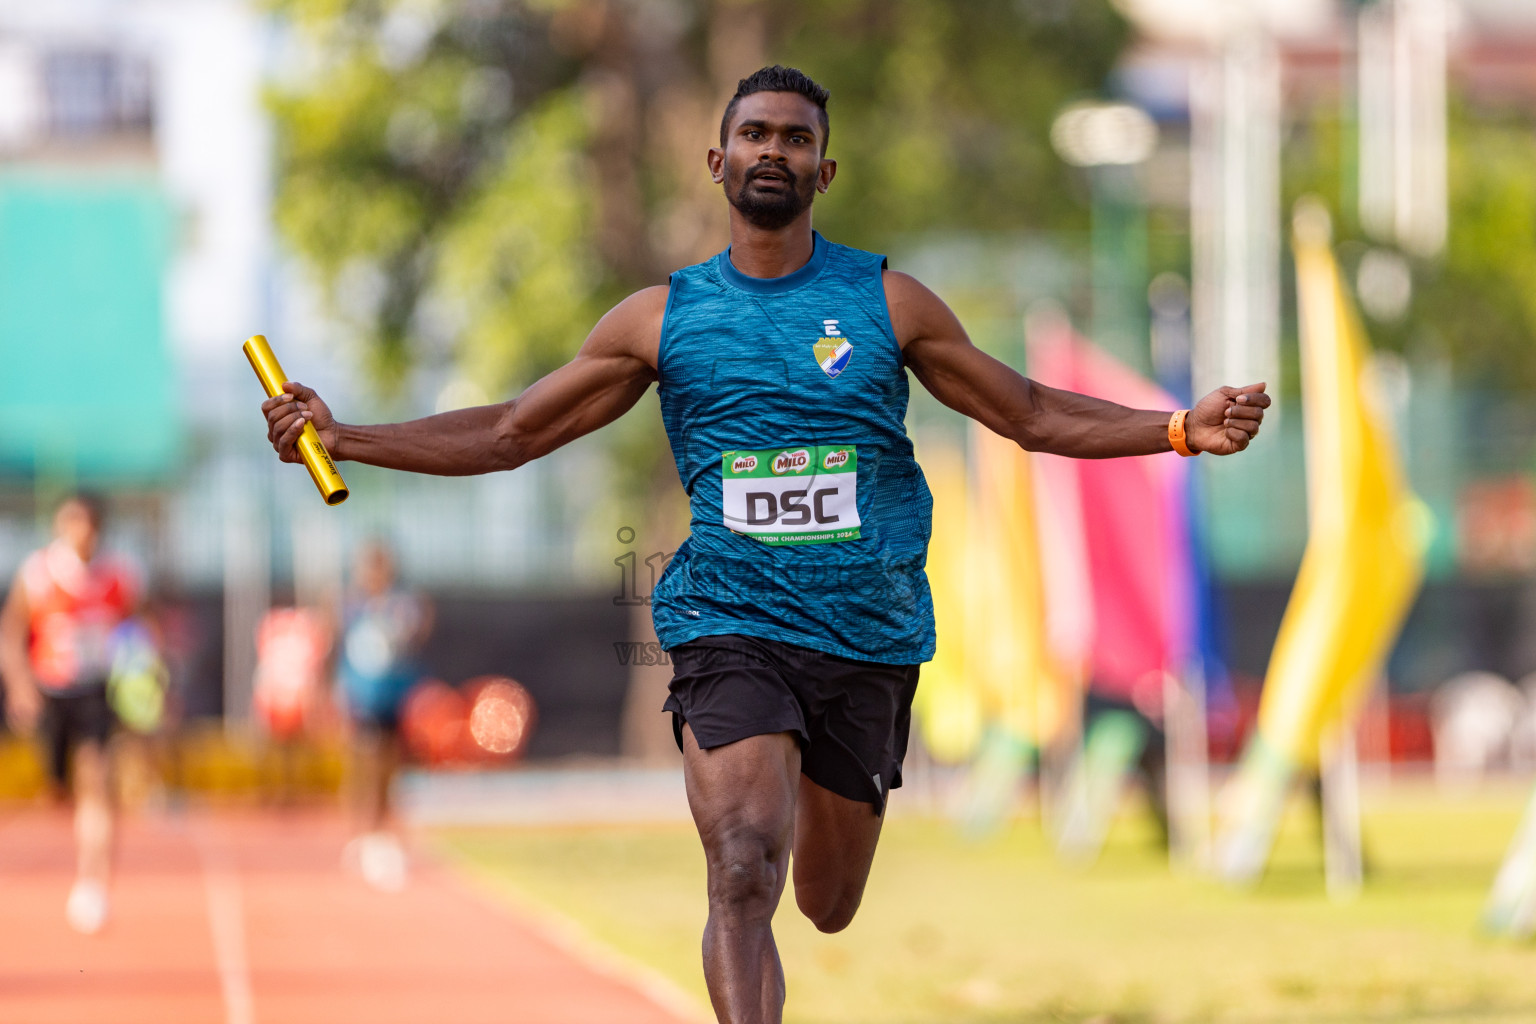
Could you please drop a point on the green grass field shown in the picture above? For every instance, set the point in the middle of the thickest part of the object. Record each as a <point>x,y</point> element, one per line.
<point>995,931</point>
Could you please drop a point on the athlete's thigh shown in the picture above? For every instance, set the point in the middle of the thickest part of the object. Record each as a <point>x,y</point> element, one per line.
<point>742,791</point>
<point>835,840</point>
<point>56,738</point>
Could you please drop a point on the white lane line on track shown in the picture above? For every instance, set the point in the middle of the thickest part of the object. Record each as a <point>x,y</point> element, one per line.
<point>568,936</point>
<point>226,920</point>
<point>571,938</point>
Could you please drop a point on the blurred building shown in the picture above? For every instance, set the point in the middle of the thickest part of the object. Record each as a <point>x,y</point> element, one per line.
<point>137,252</point>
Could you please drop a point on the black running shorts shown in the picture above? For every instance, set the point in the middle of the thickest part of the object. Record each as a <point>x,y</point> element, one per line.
<point>78,715</point>
<point>852,717</point>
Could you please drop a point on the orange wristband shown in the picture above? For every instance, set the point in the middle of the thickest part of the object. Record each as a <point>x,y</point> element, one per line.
<point>1176,436</point>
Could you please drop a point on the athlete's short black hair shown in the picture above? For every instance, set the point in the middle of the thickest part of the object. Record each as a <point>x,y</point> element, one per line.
<point>778,78</point>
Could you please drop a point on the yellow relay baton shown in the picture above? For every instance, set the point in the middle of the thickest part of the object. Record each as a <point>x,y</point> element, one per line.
<point>322,470</point>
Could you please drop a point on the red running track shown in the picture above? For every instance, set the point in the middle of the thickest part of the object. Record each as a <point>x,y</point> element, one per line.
<point>247,918</point>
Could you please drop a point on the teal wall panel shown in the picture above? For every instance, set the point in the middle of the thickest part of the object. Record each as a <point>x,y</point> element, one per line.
<point>88,384</point>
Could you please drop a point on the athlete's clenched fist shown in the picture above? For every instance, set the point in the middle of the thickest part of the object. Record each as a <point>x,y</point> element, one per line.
<point>1225,420</point>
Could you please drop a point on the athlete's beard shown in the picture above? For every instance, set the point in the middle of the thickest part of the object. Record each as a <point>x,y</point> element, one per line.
<point>771,210</point>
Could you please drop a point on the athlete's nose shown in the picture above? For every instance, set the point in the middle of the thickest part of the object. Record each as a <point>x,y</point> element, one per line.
<point>770,151</point>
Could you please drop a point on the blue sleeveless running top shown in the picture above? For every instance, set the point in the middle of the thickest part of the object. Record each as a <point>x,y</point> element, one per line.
<point>785,399</point>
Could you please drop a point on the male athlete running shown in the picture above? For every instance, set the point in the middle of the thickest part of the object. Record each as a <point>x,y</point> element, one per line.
<point>797,612</point>
<point>56,647</point>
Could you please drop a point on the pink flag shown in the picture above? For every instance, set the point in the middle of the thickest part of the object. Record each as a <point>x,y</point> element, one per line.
<point>1122,563</point>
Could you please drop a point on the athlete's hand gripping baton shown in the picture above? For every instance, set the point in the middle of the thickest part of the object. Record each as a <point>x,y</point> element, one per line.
<point>316,459</point>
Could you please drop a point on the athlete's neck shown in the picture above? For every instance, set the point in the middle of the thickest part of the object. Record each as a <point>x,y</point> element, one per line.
<point>759,252</point>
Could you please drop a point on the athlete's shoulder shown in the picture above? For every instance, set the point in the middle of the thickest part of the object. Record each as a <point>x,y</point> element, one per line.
<point>636,315</point>
<point>646,302</point>
<point>35,579</point>
<point>904,289</point>
<point>858,257</point>
<point>900,283</point>
<point>705,268</point>
<point>913,306</point>
<point>851,264</point>
<point>631,328</point>
<point>698,288</point>
<point>36,561</point>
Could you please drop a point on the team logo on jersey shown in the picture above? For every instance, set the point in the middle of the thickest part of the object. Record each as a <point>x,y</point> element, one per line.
<point>833,351</point>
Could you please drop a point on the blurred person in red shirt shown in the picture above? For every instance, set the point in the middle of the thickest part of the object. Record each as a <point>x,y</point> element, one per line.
<point>56,654</point>
<point>293,647</point>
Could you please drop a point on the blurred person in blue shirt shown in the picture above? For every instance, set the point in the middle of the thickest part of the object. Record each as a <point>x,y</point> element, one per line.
<point>383,626</point>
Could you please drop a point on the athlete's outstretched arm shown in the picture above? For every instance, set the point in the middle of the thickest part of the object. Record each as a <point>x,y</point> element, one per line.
<point>966,379</point>
<point>606,378</point>
<point>22,701</point>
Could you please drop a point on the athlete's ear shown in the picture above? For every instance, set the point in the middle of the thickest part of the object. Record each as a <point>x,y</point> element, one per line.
<point>825,173</point>
<point>716,164</point>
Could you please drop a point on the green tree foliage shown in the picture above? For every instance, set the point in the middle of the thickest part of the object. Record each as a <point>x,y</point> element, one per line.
<point>941,112</point>
<point>515,255</point>
<point>1475,302</point>
<point>480,178</point>
<point>430,171</point>
<point>1480,301</point>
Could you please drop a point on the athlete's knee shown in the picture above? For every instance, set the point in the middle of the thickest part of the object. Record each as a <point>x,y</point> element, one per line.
<point>829,909</point>
<point>744,867</point>
<point>93,822</point>
<point>89,773</point>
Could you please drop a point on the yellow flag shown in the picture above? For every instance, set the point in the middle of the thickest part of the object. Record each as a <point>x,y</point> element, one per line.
<point>991,669</point>
<point>1006,635</point>
<point>1363,561</point>
<point>948,703</point>
<point>1364,555</point>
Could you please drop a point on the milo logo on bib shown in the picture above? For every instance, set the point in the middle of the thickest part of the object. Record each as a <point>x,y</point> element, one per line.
<point>791,462</point>
<point>806,495</point>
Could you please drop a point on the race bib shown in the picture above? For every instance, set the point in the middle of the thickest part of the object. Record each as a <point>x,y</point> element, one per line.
<point>806,495</point>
